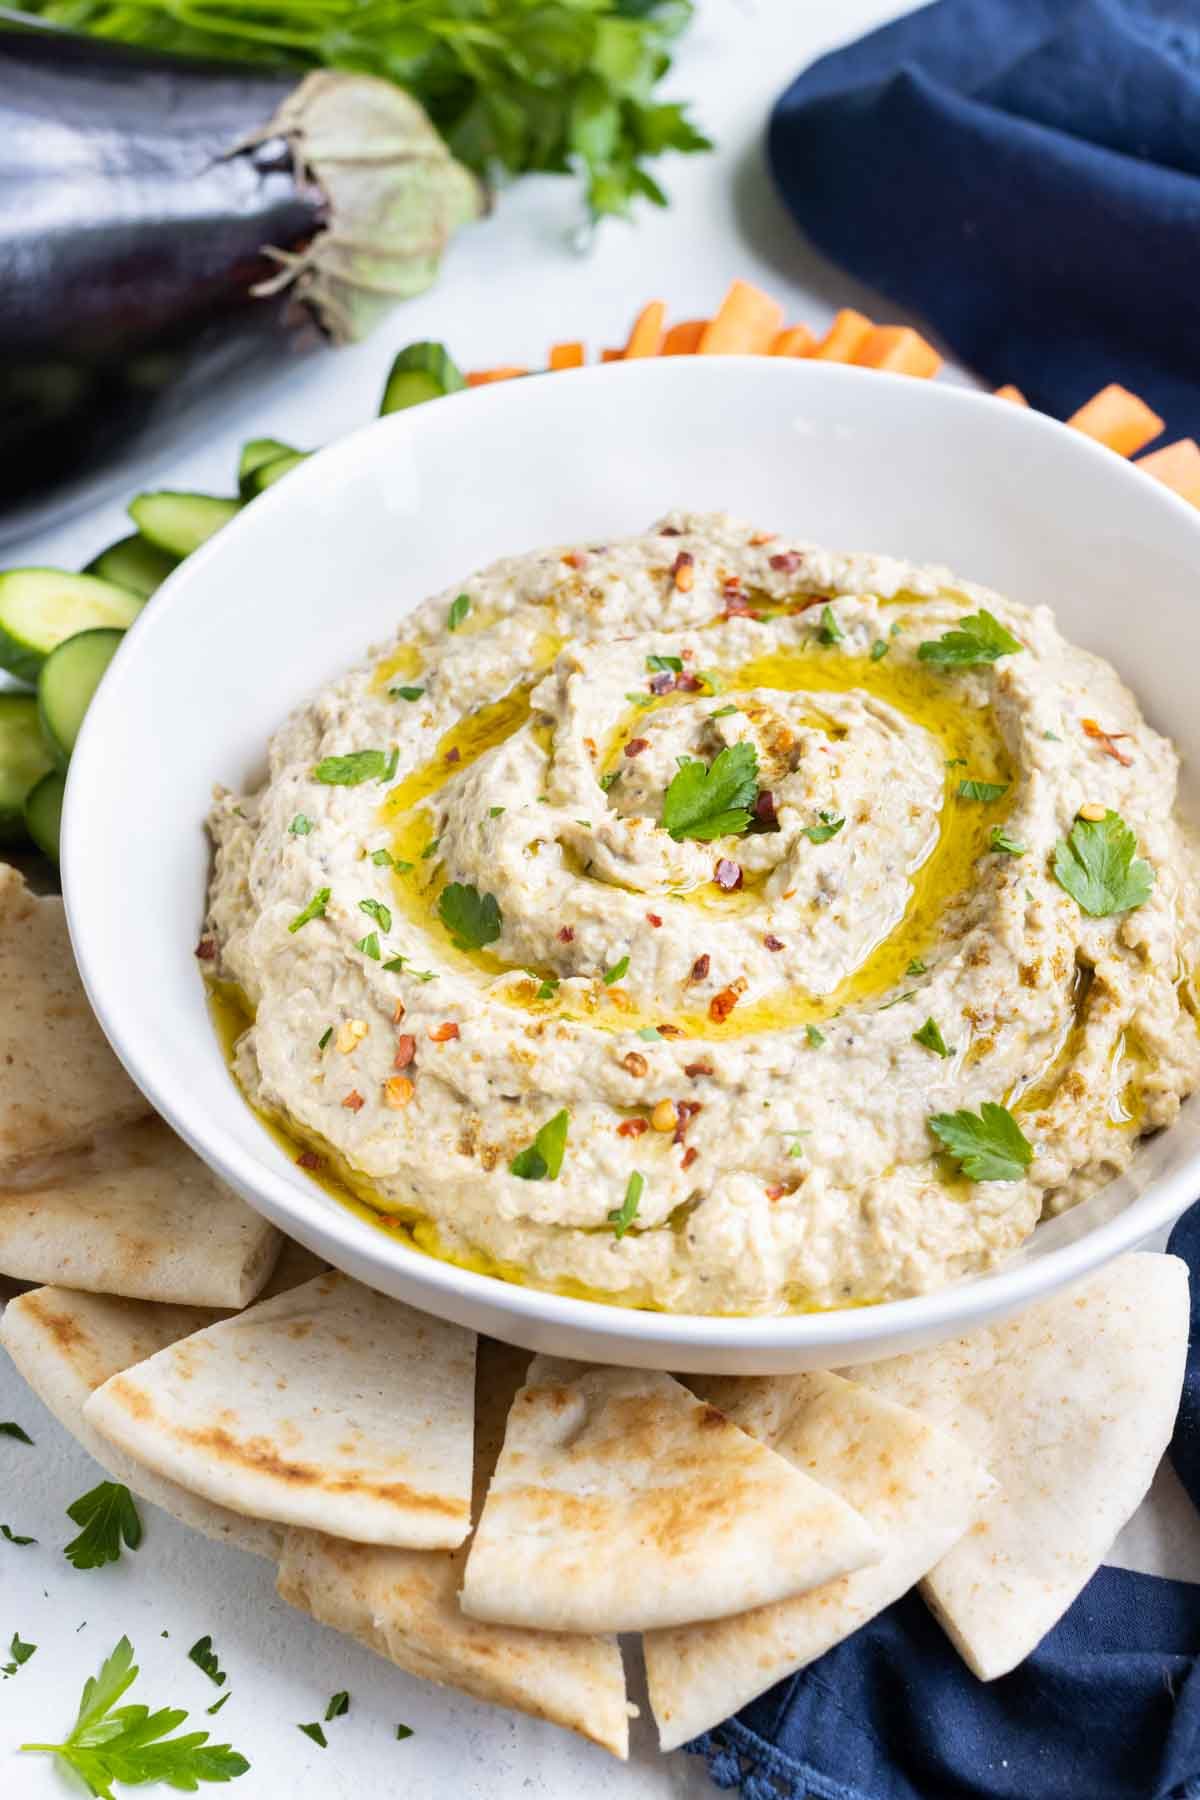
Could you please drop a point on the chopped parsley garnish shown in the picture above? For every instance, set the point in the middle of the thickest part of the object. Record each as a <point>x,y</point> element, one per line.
<point>650,1033</point>
<point>711,680</point>
<point>610,780</point>
<point>338,1704</point>
<point>548,988</point>
<point>314,910</point>
<point>830,632</point>
<point>399,965</point>
<point>382,859</point>
<point>431,848</point>
<point>405,693</point>
<point>324,1037</point>
<point>828,828</point>
<point>218,1704</point>
<point>722,712</point>
<point>983,791</point>
<point>494,812</point>
<point>1003,844</point>
<point>665,664</point>
<point>403,1731</point>
<point>979,638</point>
<point>12,1537</point>
<point>301,825</point>
<point>313,1730</point>
<point>879,649</point>
<point>1052,736</point>
<point>622,1217</point>
<point>956,762</point>
<point>930,1038</point>
<point>472,919</point>
<point>988,1146</point>
<point>616,972</point>
<point>20,1654</point>
<point>1099,866</point>
<point>916,967</point>
<point>130,1743</point>
<point>356,767</point>
<point>460,606</point>
<point>10,1428</point>
<point>898,999</point>
<point>375,909</point>
<point>205,1657</point>
<point>710,802</point>
<point>639,699</point>
<point>815,1036</point>
<point>542,1160</point>
<point>108,1516</point>
<point>798,1149</point>
<point>370,945</point>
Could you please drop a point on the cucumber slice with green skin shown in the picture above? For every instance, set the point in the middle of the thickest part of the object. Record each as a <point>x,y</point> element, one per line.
<point>69,677</point>
<point>134,563</point>
<point>422,372</point>
<point>180,523</point>
<point>39,608</point>
<point>24,759</point>
<point>254,454</point>
<point>43,812</point>
<point>268,473</point>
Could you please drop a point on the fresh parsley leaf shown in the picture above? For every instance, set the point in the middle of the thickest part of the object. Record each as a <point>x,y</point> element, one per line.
<point>828,828</point>
<point>19,1652</point>
<point>542,1160</point>
<point>494,812</point>
<point>722,712</point>
<point>314,910</point>
<point>9,1428</point>
<point>616,972</point>
<point>639,698</point>
<point>460,606</point>
<point>798,1148</point>
<point>660,665</point>
<point>651,1034</point>
<point>879,649</point>
<point>398,965</point>
<point>830,631</point>
<point>988,1145</point>
<point>405,693</point>
<point>217,1704</point>
<point>431,848</point>
<point>983,791</point>
<point>324,1037</point>
<point>898,999</point>
<point>472,919</point>
<point>1052,736</point>
<point>815,1036</point>
<point>370,946</point>
<point>355,768</point>
<point>979,638</point>
<point>622,1217</point>
<point>375,909</point>
<point>402,1732</point>
<point>204,1657</point>
<point>916,967</point>
<point>338,1704</point>
<point>711,680</point>
<point>548,988</point>
<point>1005,845</point>
<point>314,1732</point>
<point>956,762</point>
<point>131,1744</point>
<point>108,1516</point>
<point>382,860</point>
<point>301,825</point>
<point>610,780</point>
<point>1098,865</point>
<point>930,1038</point>
<point>712,802</point>
<point>12,1537</point>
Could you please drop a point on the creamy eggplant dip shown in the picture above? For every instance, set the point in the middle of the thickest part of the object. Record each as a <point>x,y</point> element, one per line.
<point>715,923</point>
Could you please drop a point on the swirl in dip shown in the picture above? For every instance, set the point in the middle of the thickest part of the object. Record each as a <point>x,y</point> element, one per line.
<point>660,920</point>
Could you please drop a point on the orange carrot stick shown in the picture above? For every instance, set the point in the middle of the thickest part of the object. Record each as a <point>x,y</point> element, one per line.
<point>1010,393</point>
<point>566,356</point>
<point>647,335</point>
<point>844,337</point>
<point>745,324</point>
<point>1119,419</point>
<point>481,377</point>
<point>900,349</point>
<point>797,340</point>
<point>1178,466</point>
<point>684,339</point>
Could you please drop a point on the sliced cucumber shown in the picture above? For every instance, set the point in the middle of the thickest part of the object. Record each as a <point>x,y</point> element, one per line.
<point>254,454</point>
<point>39,608</point>
<point>422,372</point>
<point>134,563</point>
<point>67,680</point>
<point>268,473</point>
<point>24,759</point>
<point>180,523</point>
<point>43,812</point>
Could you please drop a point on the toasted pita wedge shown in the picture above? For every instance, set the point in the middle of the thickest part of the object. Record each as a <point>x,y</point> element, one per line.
<point>68,1344</point>
<point>330,1406</point>
<point>403,1604</point>
<point>918,1486</point>
<point>1070,1405</point>
<point>621,1502</point>
<point>137,1214</point>
<point>62,1084</point>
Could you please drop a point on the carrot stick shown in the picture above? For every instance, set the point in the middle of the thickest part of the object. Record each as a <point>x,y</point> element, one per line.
<point>684,339</point>
<point>900,349</point>
<point>566,356</point>
<point>844,337</point>
<point>1178,466</point>
<point>481,377</point>
<point>647,335</point>
<point>745,324</point>
<point>1010,393</point>
<point>612,356</point>
<point>797,340</point>
<point>1119,419</point>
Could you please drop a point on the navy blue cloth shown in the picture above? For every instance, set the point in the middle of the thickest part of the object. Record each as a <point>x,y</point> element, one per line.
<point>1025,174</point>
<point>1106,1708</point>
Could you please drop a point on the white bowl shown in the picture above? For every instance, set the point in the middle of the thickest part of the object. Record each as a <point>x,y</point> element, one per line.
<point>326,562</point>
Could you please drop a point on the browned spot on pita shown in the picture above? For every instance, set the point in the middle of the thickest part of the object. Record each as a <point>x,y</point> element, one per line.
<point>260,1455</point>
<point>131,1398</point>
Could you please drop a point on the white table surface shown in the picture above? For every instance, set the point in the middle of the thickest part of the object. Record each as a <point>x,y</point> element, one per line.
<point>510,287</point>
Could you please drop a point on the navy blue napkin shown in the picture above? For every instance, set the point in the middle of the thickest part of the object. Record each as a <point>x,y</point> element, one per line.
<point>1106,1708</point>
<point>1026,175</point>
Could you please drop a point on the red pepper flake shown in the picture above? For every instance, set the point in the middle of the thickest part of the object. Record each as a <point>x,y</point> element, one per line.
<point>765,816</point>
<point>632,1128</point>
<point>308,1159</point>
<point>670,531</point>
<point>653,919</point>
<point>763,537</point>
<point>575,559</point>
<point>635,746</point>
<point>728,875</point>
<point>772,942</point>
<point>738,606</point>
<point>661,684</point>
<point>685,1112</point>
<point>731,587</point>
<point>722,1004</point>
<point>406,1049</point>
<point>776,1191</point>
<point>206,949</point>
<point>691,1070</point>
<point>701,967</point>
<point>442,1034</point>
<point>354,1101</point>
<point>688,684</point>
<point>689,1156</point>
<point>786,562</point>
<point>453,756</point>
<point>1108,742</point>
<point>566,935</point>
<point>683,571</point>
<point>669,1030</point>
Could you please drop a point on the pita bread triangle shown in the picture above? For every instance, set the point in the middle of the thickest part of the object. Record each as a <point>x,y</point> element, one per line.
<point>622,1503</point>
<point>330,1406</point>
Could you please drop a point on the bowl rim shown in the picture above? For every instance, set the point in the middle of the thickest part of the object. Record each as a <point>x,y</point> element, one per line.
<point>294,1203</point>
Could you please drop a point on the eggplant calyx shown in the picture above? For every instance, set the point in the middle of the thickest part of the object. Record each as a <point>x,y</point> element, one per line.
<point>394,196</point>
